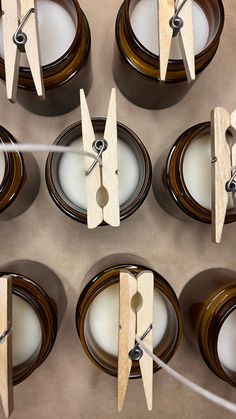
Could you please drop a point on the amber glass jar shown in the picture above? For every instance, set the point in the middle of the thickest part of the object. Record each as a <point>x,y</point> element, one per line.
<point>169,185</point>
<point>74,132</point>
<point>136,69</point>
<point>21,180</point>
<point>64,77</point>
<point>206,302</point>
<point>105,280</point>
<point>39,287</point>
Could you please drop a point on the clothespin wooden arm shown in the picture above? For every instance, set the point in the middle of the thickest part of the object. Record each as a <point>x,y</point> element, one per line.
<point>166,12</point>
<point>144,320</point>
<point>111,211</point>
<point>93,179</point>
<point>6,367</point>
<point>221,170</point>
<point>187,40</point>
<point>127,329</point>
<point>13,13</point>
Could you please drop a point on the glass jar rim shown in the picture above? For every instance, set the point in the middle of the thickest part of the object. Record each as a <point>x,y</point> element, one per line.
<point>58,66</point>
<point>34,295</point>
<point>175,178</point>
<point>14,172</point>
<point>90,291</point>
<point>99,124</point>
<point>155,58</point>
<point>221,305</point>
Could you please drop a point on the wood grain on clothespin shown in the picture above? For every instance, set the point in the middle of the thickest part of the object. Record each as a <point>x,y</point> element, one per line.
<point>6,367</point>
<point>144,319</point>
<point>132,322</point>
<point>128,288</point>
<point>187,40</point>
<point>93,180</point>
<point>111,211</point>
<point>166,10</point>
<point>221,170</point>
<point>13,12</point>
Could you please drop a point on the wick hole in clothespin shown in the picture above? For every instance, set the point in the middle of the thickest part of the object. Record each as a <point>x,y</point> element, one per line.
<point>136,302</point>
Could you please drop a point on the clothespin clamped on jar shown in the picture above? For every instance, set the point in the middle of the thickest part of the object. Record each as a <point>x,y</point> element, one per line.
<point>132,323</point>
<point>101,179</point>
<point>20,34</point>
<point>223,168</point>
<point>6,368</point>
<point>174,22</point>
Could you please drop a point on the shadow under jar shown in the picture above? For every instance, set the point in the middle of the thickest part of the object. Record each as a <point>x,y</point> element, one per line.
<point>65,44</point>
<point>182,177</point>
<point>208,305</point>
<point>39,304</point>
<point>136,61</point>
<point>97,319</point>
<point>66,179</point>
<point>19,179</point>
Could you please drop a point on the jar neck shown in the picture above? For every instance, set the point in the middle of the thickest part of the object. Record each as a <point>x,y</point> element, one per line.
<point>14,172</point>
<point>216,310</point>
<point>57,72</point>
<point>109,277</point>
<point>148,62</point>
<point>46,311</point>
<point>174,176</point>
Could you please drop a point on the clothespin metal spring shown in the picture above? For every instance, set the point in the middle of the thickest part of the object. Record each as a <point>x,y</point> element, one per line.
<point>176,22</point>
<point>231,184</point>
<point>19,37</point>
<point>136,353</point>
<point>99,145</point>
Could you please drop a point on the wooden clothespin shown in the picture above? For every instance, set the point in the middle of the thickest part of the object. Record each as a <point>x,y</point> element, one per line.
<point>176,22</point>
<point>20,34</point>
<point>223,168</point>
<point>6,368</point>
<point>103,178</point>
<point>130,324</point>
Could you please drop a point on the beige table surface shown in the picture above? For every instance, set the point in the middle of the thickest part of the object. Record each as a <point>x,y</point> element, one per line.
<point>67,385</point>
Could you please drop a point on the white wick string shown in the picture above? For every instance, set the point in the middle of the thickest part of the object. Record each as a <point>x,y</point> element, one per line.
<point>195,387</point>
<point>46,148</point>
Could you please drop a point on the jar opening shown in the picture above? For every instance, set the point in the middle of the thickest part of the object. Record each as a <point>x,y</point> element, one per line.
<point>57,22</point>
<point>146,35</point>
<point>97,319</point>
<point>134,166</point>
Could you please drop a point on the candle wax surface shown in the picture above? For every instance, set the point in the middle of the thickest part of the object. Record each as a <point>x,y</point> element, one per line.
<point>227,342</point>
<point>71,173</point>
<point>104,319</point>
<point>2,166</point>
<point>26,331</point>
<point>197,171</point>
<point>56,32</point>
<point>144,22</point>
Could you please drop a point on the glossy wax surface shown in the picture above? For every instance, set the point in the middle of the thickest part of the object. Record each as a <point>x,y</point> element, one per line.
<point>71,173</point>
<point>56,30</point>
<point>104,319</point>
<point>144,23</point>
<point>26,331</point>
<point>227,343</point>
<point>197,171</point>
<point>2,166</point>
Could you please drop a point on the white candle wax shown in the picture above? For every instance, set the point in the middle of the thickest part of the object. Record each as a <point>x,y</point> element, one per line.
<point>104,319</point>
<point>197,171</point>
<point>227,342</point>
<point>71,173</point>
<point>56,30</point>
<point>2,166</point>
<point>26,331</point>
<point>144,22</point>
